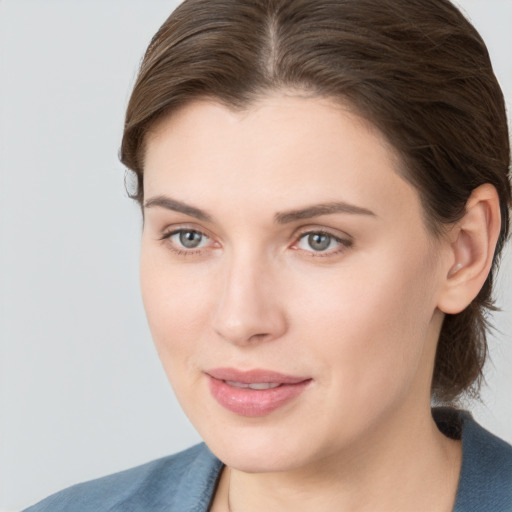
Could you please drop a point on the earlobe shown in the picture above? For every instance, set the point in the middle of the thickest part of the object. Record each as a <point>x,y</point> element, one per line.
<point>474,240</point>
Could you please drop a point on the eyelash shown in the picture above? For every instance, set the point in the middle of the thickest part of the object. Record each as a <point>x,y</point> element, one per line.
<point>166,237</point>
<point>343,243</point>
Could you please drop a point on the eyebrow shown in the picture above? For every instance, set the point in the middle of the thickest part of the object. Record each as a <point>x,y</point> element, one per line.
<point>177,206</point>
<point>321,209</point>
<point>280,217</point>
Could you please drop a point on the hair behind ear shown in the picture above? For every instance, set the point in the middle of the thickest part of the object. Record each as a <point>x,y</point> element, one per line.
<point>473,244</point>
<point>468,287</point>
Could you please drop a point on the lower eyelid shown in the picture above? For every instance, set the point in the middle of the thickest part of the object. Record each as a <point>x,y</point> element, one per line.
<point>336,251</point>
<point>167,239</point>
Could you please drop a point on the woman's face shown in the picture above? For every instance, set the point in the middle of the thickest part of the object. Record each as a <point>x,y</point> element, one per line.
<point>289,280</point>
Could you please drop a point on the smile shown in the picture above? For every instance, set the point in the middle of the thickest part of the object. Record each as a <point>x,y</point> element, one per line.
<point>254,393</point>
<point>256,385</point>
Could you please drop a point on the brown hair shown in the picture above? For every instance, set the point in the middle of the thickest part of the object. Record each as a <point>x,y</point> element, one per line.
<point>416,69</point>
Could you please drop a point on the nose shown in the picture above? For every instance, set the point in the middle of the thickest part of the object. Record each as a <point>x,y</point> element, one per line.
<point>248,308</point>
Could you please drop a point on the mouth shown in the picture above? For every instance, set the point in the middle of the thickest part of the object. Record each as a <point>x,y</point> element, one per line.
<point>255,385</point>
<point>256,392</point>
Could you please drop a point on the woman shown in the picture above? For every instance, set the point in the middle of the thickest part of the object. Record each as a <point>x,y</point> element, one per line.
<point>325,192</point>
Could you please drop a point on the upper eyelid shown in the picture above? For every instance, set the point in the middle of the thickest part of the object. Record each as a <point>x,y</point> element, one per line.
<point>173,229</point>
<point>176,231</point>
<point>344,243</point>
<point>165,238</point>
<point>337,234</point>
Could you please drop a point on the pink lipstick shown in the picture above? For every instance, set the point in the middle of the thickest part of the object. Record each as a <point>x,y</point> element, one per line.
<point>255,392</point>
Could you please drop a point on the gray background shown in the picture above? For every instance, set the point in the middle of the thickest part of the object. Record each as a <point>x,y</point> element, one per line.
<point>82,393</point>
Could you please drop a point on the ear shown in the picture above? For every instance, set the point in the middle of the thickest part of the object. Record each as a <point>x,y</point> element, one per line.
<point>472,243</point>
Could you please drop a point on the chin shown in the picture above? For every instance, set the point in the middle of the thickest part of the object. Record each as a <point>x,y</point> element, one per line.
<point>254,461</point>
<point>257,450</point>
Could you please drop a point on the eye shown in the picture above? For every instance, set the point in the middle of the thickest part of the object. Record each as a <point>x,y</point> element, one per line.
<point>187,239</point>
<point>321,242</point>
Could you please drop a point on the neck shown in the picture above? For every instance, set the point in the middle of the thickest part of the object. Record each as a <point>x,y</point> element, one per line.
<point>404,463</point>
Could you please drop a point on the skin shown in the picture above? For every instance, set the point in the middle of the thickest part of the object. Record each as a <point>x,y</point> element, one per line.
<point>361,319</point>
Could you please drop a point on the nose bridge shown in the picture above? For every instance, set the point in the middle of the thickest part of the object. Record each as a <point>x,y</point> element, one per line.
<point>248,306</point>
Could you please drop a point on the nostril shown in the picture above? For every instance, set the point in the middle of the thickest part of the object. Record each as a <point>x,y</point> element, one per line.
<point>258,337</point>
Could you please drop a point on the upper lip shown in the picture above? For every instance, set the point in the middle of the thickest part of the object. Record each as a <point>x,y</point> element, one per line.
<point>254,376</point>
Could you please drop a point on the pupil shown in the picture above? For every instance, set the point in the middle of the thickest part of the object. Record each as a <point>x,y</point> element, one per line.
<point>319,242</point>
<point>190,239</point>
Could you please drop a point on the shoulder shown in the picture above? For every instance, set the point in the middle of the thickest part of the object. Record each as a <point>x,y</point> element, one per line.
<point>180,482</point>
<point>486,470</point>
<point>486,475</point>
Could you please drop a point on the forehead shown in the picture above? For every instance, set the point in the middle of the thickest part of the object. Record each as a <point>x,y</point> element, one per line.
<point>310,116</point>
<point>282,151</point>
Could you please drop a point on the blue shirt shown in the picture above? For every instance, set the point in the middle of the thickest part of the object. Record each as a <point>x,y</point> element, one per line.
<point>185,482</point>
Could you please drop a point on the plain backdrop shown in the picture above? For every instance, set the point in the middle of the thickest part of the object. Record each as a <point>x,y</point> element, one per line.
<point>82,393</point>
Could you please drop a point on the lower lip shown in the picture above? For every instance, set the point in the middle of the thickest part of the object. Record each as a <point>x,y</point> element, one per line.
<point>254,402</point>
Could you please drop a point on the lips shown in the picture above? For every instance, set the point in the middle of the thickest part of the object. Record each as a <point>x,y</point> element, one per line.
<point>256,392</point>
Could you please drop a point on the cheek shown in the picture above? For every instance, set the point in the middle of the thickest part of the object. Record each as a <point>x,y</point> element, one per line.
<point>175,302</point>
<point>369,325</point>
<point>173,308</point>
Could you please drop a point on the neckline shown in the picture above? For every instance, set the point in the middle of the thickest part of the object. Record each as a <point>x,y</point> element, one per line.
<point>481,483</point>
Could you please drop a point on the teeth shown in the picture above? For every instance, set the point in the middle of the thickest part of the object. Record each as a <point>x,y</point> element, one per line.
<point>264,385</point>
<point>236,384</point>
<point>255,385</point>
